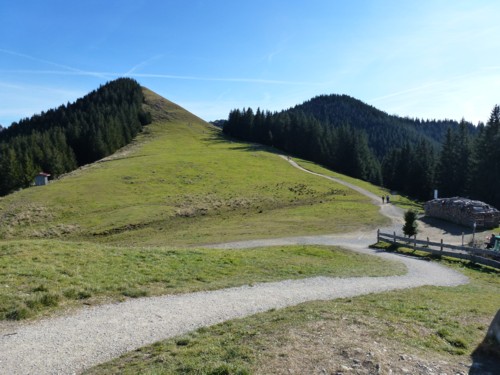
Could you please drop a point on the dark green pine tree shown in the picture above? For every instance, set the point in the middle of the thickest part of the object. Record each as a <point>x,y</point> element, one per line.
<point>389,173</point>
<point>59,140</point>
<point>410,228</point>
<point>421,174</point>
<point>11,171</point>
<point>464,152</point>
<point>447,167</point>
<point>402,175</point>
<point>485,165</point>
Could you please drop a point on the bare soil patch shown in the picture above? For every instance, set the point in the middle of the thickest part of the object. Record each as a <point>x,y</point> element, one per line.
<point>346,346</point>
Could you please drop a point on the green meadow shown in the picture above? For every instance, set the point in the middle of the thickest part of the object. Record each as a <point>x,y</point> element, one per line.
<point>434,323</point>
<point>135,225</point>
<point>182,183</point>
<point>39,277</point>
<point>396,198</point>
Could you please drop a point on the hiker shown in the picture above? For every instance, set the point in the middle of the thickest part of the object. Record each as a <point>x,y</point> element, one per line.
<point>387,199</point>
<point>491,242</point>
<point>383,199</point>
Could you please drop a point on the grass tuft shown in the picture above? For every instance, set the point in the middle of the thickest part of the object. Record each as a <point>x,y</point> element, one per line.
<point>18,312</point>
<point>135,293</point>
<point>91,273</point>
<point>434,323</point>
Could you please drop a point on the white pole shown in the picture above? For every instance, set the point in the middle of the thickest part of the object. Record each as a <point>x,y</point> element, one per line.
<point>473,234</point>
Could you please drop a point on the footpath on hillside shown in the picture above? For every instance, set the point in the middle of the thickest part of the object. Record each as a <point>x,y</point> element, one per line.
<point>433,229</point>
<point>73,343</point>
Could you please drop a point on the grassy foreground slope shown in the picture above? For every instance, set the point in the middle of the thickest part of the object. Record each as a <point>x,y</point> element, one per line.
<point>118,228</point>
<point>427,330</point>
<point>180,183</point>
<point>39,277</point>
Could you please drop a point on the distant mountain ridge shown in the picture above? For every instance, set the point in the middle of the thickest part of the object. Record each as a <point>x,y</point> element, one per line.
<point>384,131</point>
<point>354,138</point>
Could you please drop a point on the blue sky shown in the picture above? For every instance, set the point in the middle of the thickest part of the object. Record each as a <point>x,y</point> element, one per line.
<point>417,58</point>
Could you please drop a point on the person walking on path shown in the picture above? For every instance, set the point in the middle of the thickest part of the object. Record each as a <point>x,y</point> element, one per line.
<point>383,199</point>
<point>387,199</point>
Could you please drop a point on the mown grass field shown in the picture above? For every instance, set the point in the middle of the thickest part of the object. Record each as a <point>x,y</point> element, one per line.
<point>134,224</point>
<point>181,183</point>
<point>119,228</point>
<point>439,324</point>
<point>38,277</point>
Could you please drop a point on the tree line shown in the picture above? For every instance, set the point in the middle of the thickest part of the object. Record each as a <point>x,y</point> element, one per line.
<point>410,156</point>
<point>60,140</point>
<point>344,148</point>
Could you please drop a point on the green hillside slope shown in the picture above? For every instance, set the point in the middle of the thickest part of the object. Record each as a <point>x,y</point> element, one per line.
<point>181,182</point>
<point>62,139</point>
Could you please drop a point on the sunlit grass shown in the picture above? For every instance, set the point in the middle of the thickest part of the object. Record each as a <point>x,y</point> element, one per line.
<point>40,276</point>
<point>446,323</point>
<point>182,183</point>
<point>396,199</point>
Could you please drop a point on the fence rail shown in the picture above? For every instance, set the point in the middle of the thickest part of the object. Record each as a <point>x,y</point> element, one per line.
<point>472,254</point>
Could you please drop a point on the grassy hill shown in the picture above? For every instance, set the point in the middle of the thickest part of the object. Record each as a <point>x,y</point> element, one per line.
<point>119,228</point>
<point>180,182</point>
<point>133,224</point>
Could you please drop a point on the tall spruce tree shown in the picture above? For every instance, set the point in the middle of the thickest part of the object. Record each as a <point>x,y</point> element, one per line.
<point>421,174</point>
<point>485,175</point>
<point>447,166</point>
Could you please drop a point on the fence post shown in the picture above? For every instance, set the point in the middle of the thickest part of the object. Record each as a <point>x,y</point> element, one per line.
<point>378,235</point>
<point>414,242</point>
<point>463,234</point>
<point>472,258</point>
<point>394,237</point>
<point>441,245</point>
<point>428,244</point>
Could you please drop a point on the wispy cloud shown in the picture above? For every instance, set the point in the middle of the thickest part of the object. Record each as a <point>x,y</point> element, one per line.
<point>109,75</point>
<point>62,73</point>
<point>132,72</point>
<point>8,85</point>
<point>404,92</point>
<point>270,56</point>
<point>24,100</point>
<point>65,67</point>
<point>426,86</point>
<point>142,64</point>
<point>229,79</point>
<point>470,96</point>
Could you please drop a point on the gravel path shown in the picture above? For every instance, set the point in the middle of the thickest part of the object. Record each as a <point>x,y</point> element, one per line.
<point>70,344</point>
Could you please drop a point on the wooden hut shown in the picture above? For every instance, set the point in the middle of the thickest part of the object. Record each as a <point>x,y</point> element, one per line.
<point>42,179</point>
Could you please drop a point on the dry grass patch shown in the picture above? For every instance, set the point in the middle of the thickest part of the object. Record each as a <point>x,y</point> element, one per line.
<point>418,331</point>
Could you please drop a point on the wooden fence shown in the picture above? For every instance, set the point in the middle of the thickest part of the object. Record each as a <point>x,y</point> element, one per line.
<point>472,254</point>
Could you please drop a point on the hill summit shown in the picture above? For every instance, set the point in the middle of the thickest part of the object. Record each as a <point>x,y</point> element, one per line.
<point>63,139</point>
<point>180,181</point>
<point>356,139</point>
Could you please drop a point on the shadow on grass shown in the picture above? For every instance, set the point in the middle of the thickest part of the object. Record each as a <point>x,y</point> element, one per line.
<point>218,137</point>
<point>451,228</point>
<point>486,357</point>
<point>408,251</point>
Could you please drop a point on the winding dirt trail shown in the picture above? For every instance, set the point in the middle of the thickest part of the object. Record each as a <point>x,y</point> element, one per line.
<point>73,343</point>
